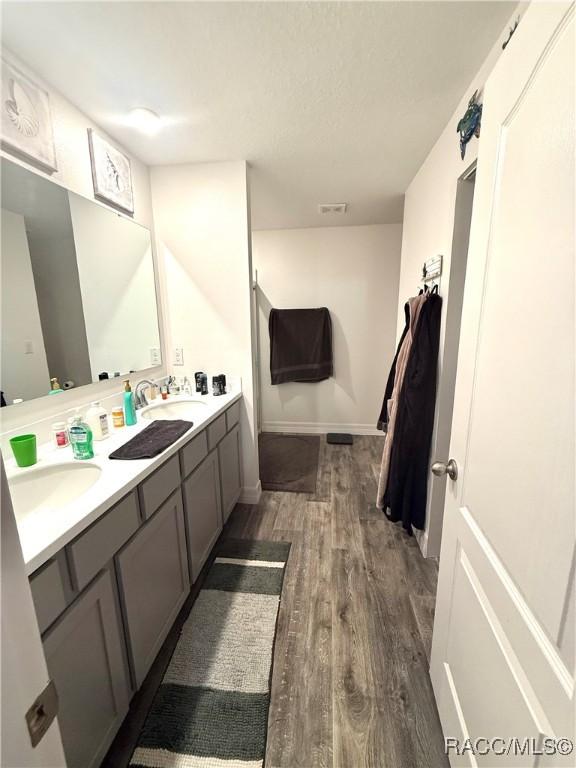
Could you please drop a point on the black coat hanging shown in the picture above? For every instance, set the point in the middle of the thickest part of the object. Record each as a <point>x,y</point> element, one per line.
<point>409,462</point>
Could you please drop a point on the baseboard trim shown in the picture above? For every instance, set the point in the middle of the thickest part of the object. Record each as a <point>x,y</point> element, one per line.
<point>251,494</point>
<point>422,539</point>
<point>315,428</point>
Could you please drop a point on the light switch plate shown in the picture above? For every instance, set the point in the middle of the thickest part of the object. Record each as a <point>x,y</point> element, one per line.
<point>41,714</point>
<point>178,356</point>
<point>155,357</point>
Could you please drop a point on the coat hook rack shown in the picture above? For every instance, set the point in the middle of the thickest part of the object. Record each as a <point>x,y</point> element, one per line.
<point>431,271</point>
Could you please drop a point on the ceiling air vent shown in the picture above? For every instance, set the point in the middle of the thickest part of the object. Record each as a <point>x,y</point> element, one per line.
<point>338,208</point>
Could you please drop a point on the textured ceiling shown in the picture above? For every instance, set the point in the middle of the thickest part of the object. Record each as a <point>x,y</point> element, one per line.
<point>328,101</point>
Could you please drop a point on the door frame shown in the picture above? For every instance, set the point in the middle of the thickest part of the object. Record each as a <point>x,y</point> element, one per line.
<point>24,673</point>
<point>446,383</point>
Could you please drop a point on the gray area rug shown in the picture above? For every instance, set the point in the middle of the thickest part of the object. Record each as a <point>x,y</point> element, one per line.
<point>288,462</point>
<point>211,710</point>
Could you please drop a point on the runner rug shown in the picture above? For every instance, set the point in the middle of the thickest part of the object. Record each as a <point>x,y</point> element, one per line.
<point>211,710</point>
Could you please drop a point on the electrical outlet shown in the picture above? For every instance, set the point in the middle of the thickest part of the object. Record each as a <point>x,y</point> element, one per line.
<point>155,357</point>
<point>178,356</point>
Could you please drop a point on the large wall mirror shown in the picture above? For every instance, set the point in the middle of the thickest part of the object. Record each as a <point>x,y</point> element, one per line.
<point>78,291</point>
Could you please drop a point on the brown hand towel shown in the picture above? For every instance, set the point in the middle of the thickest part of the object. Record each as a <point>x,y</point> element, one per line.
<point>153,440</point>
<point>300,345</point>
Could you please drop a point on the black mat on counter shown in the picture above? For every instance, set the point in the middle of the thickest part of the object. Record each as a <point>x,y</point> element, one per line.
<point>153,440</point>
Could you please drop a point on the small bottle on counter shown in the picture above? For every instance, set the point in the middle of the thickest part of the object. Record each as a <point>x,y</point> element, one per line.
<point>219,385</point>
<point>60,434</point>
<point>97,420</point>
<point>129,409</point>
<point>81,439</point>
<point>118,416</point>
<point>55,387</point>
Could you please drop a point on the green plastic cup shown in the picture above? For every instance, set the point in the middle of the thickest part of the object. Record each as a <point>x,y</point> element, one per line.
<point>24,450</point>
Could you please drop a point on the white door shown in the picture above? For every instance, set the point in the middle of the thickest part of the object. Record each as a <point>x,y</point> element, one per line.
<point>24,673</point>
<point>502,661</point>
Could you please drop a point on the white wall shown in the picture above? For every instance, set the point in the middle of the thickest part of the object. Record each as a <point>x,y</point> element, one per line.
<point>354,272</point>
<point>116,275</point>
<point>201,219</point>
<point>428,231</point>
<point>23,375</point>
<point>74,173</point>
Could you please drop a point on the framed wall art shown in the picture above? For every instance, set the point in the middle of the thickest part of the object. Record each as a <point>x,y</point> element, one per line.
<point>111,173</point>
<point>26,124</point>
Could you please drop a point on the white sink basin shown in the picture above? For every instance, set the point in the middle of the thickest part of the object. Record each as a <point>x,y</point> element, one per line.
<point>46,489</point>
<point>177,409</point>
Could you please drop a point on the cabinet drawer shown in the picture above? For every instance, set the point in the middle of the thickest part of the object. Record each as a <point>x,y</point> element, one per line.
<point>232,415</point>
<point>48,594</point>
<point>216,431</point>
<point>154,582</point>
<point>193,453</point>
<point>96,546</point>
<point>159,486</point>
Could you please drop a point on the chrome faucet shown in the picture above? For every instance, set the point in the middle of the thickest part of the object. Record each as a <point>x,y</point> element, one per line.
<point>139,396</point>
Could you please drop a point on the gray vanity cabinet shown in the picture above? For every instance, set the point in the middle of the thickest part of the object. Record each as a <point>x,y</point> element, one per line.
<point>85,659</point>
<point>154,582</point>
<point>230,476</point>
<point>202,512</point>
<point>106,601</point>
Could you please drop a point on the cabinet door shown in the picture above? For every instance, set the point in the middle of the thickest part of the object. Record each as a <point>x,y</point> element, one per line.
<point>154,582</point>
<point>230,480</point>
<point>86,661</point>
<point>203,512</point>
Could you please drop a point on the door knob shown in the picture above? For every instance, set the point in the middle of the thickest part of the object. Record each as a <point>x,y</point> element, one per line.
<point>439,468</point>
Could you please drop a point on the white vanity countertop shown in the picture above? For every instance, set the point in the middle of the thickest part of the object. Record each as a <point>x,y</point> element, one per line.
<point>43,534</point>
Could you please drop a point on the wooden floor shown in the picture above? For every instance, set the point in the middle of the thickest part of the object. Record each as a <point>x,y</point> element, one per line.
<point>350,684</point>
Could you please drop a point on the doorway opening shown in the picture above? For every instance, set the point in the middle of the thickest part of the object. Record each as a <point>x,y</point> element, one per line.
<point>449,363</point>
